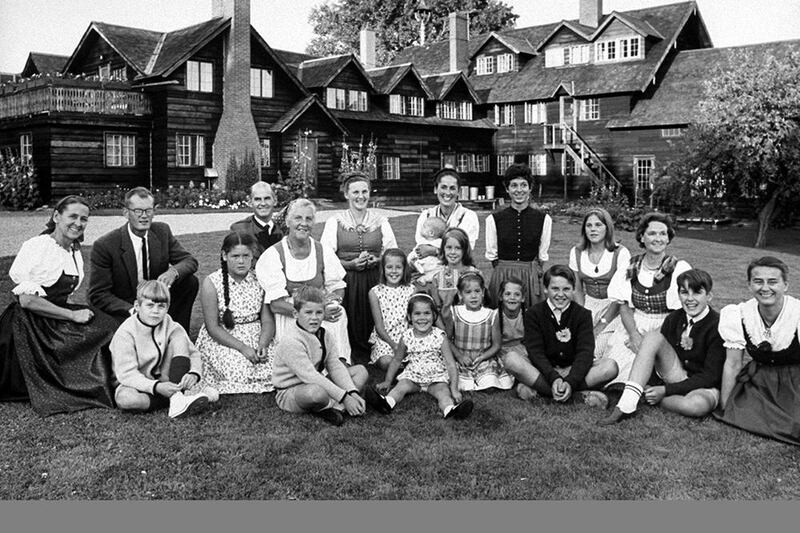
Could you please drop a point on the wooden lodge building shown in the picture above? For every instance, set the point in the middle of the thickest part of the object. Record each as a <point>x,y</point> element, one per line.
<point>597,99</point>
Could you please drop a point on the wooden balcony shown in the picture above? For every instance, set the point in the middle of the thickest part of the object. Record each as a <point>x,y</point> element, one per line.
<point>60,95</point>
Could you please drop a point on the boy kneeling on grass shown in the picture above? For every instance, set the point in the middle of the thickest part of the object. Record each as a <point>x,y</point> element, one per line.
<point>559,339</point>
<point>154,361</point>
<point>687,354</point>
<point>303,357</point>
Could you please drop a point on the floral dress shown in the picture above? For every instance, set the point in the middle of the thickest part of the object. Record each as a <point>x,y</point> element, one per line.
<point>224,368</point>
<point>426,364</point>
<point>473,335</point>
<point>393,302</point>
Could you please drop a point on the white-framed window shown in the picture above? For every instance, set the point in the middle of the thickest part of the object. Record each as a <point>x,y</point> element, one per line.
<point>553,57</point>
<point>485,65</point>
<point>643,172</point>
<point>504,114</point>
<point>266,152</point>
<point>26,148</point>
<point>538,164</point>
<point>119,74</point>
<point>199,76</point>
<point>535,113</point>
<point>356,100</point>
<point>619,49</point>
<point>406,105</point>
<point>671,132</point>
<point>336,98</point>
<point>589,109</point>
<point>481,163</point>
<point>576,55</point>
<point>190,150</point>
<point>104,71</point>
<point>261,83</point>
<point>454,110</point>
<point>464,163</point>
<point>391,167</point>
<point>120,150</point>
<point>503,162</point>
<point>506,62</point>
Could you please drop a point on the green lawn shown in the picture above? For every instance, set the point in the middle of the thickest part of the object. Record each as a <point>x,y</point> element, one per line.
<point>245,447</point>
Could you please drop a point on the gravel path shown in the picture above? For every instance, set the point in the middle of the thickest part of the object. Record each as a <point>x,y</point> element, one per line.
<point>18,227</point>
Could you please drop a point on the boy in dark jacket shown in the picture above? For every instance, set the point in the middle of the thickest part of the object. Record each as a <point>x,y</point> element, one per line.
<point>560,344</point>
<point>687,355</point>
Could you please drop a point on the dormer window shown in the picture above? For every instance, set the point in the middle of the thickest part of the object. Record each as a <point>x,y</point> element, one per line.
<point>619,49</point>
<point>406,105</point>
<point>560,56</point>
<point>356,100</point>
<point>506,63</point>
<point>335,98</point>
<point>485,65</point>
<point>454,110</point>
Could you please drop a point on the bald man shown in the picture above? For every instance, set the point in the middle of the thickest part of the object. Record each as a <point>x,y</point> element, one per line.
<point>260,224</point>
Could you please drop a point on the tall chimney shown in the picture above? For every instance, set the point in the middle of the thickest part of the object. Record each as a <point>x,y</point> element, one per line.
<point>459,34</point>
<point>367,42</point>
<point>236,134</point>
<point>591,12</point>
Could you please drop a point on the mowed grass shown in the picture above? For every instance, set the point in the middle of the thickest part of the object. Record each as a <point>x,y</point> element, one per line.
<point>246,448</point>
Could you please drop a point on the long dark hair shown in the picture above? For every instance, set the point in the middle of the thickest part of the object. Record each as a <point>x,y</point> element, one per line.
<point>405,279</point>
<point>463,240</point>
<point>232,239</point>
<point>59,208</point>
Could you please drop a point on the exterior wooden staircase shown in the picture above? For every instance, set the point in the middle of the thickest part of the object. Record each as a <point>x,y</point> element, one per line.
<point>591,164</point>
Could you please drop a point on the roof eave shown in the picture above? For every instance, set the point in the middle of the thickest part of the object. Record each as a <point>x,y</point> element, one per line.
<point>651,77</point>
<point>224,24</point>
<point>122,54</point>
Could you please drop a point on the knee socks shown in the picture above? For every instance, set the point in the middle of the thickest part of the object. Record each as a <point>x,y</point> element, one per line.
<point>630,397</point>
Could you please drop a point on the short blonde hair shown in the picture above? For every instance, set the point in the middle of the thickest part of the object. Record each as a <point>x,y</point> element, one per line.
<point>152,289</point>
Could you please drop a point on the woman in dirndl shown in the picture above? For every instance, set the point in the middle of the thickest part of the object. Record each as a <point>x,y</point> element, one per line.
<point>518,238</point>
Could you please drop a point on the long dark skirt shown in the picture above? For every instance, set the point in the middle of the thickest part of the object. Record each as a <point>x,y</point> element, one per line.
<point>529,273</point>
<point>766,401</point>
<point>58,365</point>
<point>356,304</point>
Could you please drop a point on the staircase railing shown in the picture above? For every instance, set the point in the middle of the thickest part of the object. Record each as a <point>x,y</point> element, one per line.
<point>585,154</point>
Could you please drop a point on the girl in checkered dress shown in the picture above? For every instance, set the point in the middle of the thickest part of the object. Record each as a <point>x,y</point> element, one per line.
<point>647,291</point>
<point>477,338</point>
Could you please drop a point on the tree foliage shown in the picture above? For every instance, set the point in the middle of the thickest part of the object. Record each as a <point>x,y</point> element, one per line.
<point>337,23</point>
<point>746,141</point>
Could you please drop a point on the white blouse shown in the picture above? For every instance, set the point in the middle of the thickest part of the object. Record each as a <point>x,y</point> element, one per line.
<point>39,264</point>
<point>603,266</point>
<point>620,288</point>
<point>461,217</point>
<point>779,335</point>
<point>371,221</point>
<point>272,278</point>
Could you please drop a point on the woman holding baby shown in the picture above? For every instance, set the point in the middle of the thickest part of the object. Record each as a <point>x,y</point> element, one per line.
<point>518,238</point>
<point>359,236</point>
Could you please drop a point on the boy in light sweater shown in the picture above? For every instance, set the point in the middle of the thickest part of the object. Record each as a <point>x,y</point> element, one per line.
<point>154,361</point>
<point>307,372</point>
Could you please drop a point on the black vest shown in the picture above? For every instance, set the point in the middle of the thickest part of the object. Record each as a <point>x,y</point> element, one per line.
<point>518,233</point>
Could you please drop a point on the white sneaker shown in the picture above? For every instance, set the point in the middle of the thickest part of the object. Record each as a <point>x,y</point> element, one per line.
<point>182,404</point>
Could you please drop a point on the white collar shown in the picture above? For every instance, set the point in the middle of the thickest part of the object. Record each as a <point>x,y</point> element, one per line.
<point>557,312</point>
<point>135,238</point>
<point>699,317</point>
<point>267,224</point>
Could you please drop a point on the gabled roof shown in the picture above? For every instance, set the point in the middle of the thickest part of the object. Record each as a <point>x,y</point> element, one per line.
<point>678,95</point>
<point>322,71</point>
<point>385,79</point>
<point>292,58</point>
<point>440,85</point>
<point>533,81</point>
<point>134,45</point>
<point>39,63</point>
<point>178,46</point>
<point>518,45</point>
<point>301,107</point>
<point>589,33</point>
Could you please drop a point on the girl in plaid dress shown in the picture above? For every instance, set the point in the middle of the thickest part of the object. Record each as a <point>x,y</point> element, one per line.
<point>477,338</point>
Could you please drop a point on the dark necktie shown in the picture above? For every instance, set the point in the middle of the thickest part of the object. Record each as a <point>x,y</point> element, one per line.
<point>145,262</point>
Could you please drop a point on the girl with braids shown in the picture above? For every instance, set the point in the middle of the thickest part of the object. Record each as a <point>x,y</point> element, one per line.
<point>52,351</point>
<point>235,341</point>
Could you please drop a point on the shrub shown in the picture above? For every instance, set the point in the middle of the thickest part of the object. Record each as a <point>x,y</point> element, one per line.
<point>19,183</point>
<point>239,177</point>
<point>181,197</point>
<point>626,217</point>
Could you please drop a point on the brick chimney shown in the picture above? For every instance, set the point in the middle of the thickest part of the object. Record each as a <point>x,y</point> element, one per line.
<point>367,42</point>
<point>591,12</point>
<point>459,34</point>
<point>236,133</point>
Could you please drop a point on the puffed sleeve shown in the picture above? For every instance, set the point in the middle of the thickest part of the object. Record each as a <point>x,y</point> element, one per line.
<point>619,288</point>
<point>30,269</point>
<point>673,301</point>
<point>491,238</point>
<point>418,238</point>
<point>573,259</point>
<point>623,259</point>
<point>471,227</point>
<point>730,327</point>
<point>271,277</point>
<point>389,240</point>
<point>328,237</point>
<point>334,271</point>
<point>544,240</point>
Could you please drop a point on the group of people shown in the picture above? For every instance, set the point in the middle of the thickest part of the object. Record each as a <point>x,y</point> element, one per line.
<point>293,314</point>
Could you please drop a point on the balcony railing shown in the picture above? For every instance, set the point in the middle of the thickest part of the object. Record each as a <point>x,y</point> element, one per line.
<point>56,95</point>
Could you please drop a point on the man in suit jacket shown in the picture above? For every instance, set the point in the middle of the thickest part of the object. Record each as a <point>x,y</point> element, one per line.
<point>141,250</point>
<point>260,224</point>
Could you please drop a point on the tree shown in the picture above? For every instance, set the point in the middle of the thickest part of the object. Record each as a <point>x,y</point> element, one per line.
<point>337,23</point>
<point>746,141</point>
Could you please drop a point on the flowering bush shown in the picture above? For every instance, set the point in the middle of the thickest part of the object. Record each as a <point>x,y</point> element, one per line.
<point>19,184</point>
<point>625,216</point>
<point>181,197</point>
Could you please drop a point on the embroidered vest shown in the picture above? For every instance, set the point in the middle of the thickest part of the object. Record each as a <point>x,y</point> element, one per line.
<point>597,287</point>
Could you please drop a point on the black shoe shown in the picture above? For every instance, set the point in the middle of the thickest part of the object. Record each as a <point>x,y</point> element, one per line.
<point>615,417</point>
<point>461,410</point>
<point>330,415</point>
<point>375,400</point>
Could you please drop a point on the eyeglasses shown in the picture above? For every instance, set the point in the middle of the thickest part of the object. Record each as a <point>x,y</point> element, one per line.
<point>140,212</point>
